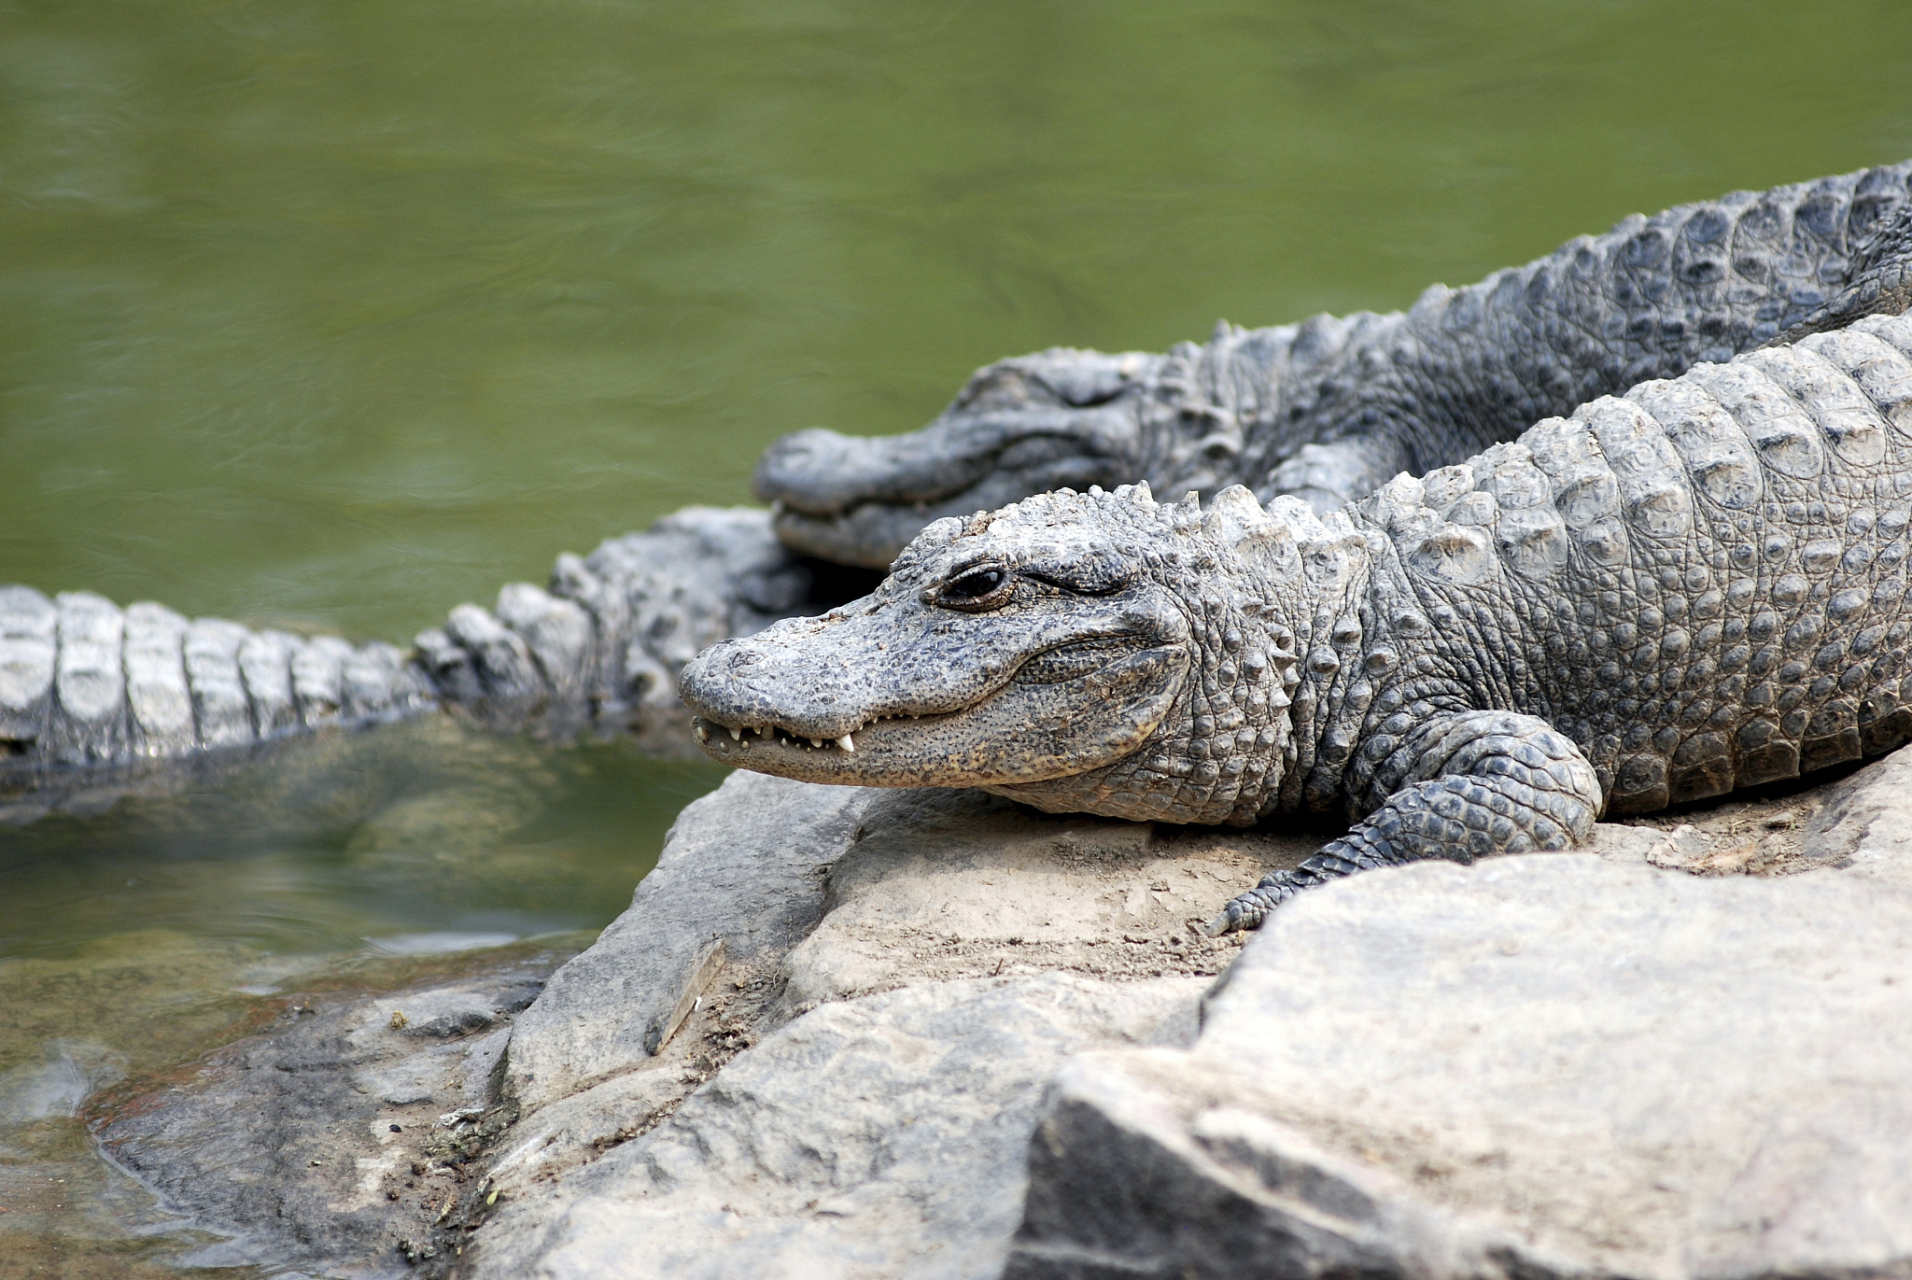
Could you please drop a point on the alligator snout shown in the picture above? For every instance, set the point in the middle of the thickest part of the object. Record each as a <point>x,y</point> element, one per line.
<point>821,473</point>
<point>1021,427</point>
<point>732,686</point>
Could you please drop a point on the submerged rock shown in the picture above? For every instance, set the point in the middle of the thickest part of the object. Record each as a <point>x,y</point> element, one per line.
<point>337,1139</point>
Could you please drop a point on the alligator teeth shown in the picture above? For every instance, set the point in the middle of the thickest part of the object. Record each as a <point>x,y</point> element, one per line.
<point>736,735</point>
<point>817,743</point>
<point>845,743</point>
<point>703,734</point>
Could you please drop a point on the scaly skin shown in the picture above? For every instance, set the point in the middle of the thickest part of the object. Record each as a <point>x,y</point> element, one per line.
<point>1329,409</point>
<point>1694,587</point>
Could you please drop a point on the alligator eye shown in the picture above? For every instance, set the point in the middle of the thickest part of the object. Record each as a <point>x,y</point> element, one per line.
<point>978,588</point>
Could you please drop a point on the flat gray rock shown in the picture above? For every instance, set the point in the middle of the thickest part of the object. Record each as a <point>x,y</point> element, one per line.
<point>1863,825</point>
<point>879,1137</point>
<point>1537,1065</point>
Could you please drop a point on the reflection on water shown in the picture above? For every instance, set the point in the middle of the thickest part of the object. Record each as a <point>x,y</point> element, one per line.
<point>333,314</point>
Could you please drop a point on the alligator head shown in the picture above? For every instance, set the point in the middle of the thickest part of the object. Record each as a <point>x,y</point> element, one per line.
<point>1089,652</point>
<point>1028,425</point>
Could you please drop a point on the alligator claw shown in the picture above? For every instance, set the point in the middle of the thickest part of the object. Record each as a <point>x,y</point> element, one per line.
<point>1244,911</point>
<point>1249,910</point>
<point>1223,923</point>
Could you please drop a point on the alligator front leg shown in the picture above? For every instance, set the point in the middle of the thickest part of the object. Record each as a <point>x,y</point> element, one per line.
<point>1459,787</point>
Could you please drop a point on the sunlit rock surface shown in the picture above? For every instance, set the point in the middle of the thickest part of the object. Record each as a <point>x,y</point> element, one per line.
<point>1683,1055</point>
<point>874,1137</point>
<point>1530,1066</point>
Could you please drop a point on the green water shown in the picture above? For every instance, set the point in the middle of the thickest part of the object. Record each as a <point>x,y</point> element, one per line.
<point>337,314</point>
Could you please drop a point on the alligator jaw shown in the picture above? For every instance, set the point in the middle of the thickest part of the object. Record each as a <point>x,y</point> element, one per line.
<point>766,747</point>
<point>867,536</point>
<point>1013,734</point>
<point>870,532</point>
<point>729,741</point>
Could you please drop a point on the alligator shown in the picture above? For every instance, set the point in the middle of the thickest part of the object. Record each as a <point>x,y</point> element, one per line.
<point>1320,409</point>
<point>1331,408</point>
<point>1695,587</point>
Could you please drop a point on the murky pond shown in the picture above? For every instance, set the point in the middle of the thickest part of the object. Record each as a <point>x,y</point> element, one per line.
<point>332,315</point>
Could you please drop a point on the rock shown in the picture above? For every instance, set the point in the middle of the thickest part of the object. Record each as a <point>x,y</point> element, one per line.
<point>871,1138</point>
<point>1863,825</point>
<point>944,884</point>
<point>1755,837</point>
<point>830,892</point>
<point>742,864</point>
<point>580,1128</point>
<point>1536,1065</point>
<point>57,1085</point>
<point>338,1138</point>
<point>863,898</point>
<point>824,895</point>
<point>449,1012</point>
<point>819,1043</point>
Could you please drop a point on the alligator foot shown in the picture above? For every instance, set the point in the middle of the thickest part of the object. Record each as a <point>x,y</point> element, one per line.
<point>1248,910</point>
<point>1502,783</point>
